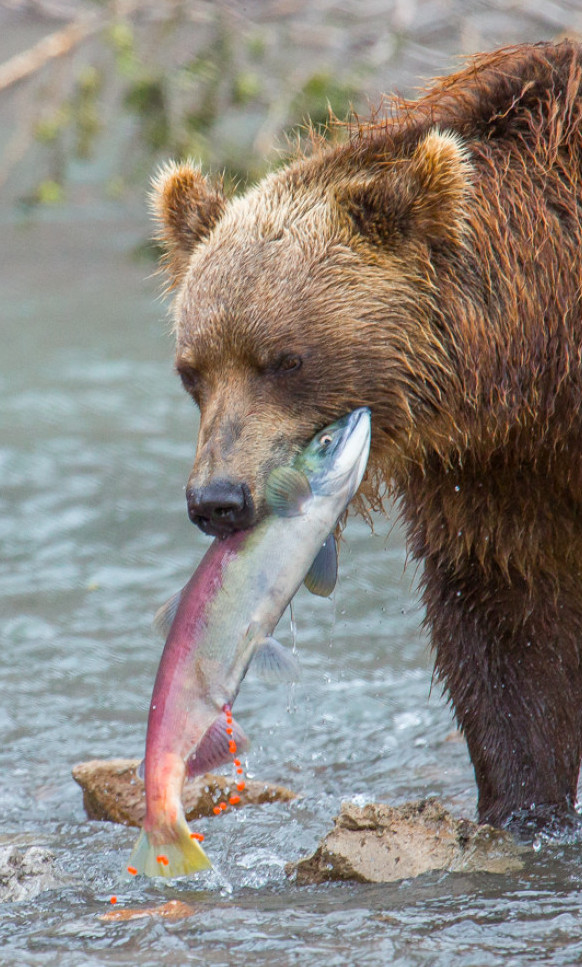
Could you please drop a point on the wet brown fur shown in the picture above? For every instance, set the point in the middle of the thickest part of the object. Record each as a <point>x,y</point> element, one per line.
<point>430,269</point>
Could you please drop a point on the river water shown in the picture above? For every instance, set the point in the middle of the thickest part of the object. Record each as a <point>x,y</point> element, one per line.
<point>96,441</point>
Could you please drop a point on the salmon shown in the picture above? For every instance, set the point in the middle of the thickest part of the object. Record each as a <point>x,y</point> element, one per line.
<point>224,619</point>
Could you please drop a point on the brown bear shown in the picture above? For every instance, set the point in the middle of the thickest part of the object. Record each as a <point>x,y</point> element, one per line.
<point>430,268</point>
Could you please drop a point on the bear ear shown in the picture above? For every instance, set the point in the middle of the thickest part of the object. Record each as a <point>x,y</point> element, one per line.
<point>422,196</point>
<point>186,207</point>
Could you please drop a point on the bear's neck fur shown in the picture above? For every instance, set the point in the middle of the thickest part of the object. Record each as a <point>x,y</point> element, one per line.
<point>497,520</point>
<point>490,482</point>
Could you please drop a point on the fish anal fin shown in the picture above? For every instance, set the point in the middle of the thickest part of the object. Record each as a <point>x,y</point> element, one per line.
<point>213,749</point>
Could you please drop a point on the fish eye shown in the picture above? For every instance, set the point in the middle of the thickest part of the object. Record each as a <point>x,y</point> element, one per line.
<point>326,439</point>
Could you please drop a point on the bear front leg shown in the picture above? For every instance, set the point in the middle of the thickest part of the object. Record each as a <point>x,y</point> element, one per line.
<point>510,658</point>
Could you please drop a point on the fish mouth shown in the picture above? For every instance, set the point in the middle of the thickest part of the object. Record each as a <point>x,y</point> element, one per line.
<point>360,432</point>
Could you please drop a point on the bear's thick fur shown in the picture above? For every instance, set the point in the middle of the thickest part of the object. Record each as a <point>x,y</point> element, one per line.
<point>429,268</point>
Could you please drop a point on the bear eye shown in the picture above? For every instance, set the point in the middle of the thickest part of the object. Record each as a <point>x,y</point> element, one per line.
<point>190,379</point>
<point>288,363</point>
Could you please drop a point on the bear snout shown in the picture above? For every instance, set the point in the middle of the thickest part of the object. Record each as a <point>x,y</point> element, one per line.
<point>221,507</point>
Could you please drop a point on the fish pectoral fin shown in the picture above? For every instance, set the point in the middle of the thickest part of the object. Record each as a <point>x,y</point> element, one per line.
<point>274,663</point>
<point>287,491</point>
<point>214,748</point>
<point>322,575</point>
<point>164,616</point>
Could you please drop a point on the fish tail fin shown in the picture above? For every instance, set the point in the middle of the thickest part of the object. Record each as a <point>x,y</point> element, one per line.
<point>180,856</point>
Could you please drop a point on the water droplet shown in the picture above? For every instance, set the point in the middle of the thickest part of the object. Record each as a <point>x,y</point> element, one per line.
<point>293,624</point>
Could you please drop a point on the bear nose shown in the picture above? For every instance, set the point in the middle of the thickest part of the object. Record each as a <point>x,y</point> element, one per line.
<point>220,507</point>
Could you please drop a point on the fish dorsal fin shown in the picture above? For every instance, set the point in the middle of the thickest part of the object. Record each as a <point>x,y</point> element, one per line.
<point>287,491</point>
<point>164,616</point>
<point>274,663</point>
<point>322,574</point>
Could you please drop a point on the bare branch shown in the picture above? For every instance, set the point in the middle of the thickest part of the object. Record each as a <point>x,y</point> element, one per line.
<point>54,45</point>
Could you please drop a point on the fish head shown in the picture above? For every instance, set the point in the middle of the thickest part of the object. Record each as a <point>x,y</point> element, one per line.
<point>331,466</point>
<point>335,460</point>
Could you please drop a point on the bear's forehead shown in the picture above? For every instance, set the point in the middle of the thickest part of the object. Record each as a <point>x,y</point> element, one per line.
<point>274,209</point>
<point>238,269</point>
<point>267,250</point>
<point>240,300</point>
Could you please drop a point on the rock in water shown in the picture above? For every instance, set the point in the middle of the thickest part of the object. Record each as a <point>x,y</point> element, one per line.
<point>378,843</point>
<point>172,910</point>
<point>26,872</point>
<point>113,791</point>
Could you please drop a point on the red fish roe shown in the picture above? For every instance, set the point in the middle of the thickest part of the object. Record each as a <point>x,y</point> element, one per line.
<point>198,836</point>
<point>132,870</point>
<point>162,859</point>
<point>234,799</point>
<point>113,899</point>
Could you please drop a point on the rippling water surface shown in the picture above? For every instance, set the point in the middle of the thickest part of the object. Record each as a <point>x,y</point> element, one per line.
<point>96,441</point>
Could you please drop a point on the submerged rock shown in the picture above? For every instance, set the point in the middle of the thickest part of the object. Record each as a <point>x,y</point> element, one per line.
<point>113,791</point>
<point>172,910</point>
<point>378,843</point>
<point>26,872</point>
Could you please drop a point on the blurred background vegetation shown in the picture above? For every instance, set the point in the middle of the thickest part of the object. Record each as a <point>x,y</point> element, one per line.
<point>94,94</point>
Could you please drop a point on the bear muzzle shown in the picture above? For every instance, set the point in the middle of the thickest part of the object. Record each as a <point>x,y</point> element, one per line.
<point>221,507</point>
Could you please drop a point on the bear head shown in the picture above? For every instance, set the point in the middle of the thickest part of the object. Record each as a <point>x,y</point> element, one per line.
<point>312,294</point>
